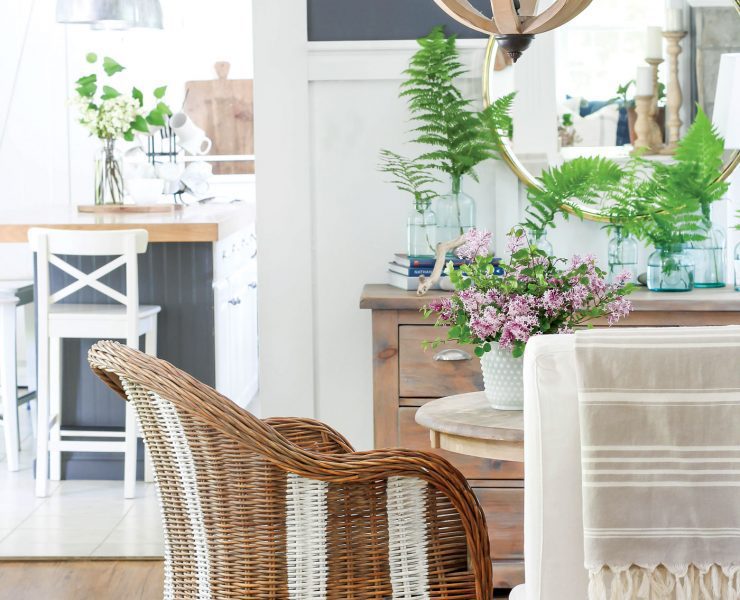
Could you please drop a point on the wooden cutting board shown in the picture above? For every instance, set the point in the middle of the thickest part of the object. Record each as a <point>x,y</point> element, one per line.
<point>224,109</point>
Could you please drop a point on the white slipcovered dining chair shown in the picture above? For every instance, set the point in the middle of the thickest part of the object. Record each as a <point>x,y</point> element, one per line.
<point>553,519</point>
<point>124,319</point>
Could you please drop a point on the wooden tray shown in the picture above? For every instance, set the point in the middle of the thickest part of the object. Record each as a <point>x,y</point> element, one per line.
<point>128,208</point>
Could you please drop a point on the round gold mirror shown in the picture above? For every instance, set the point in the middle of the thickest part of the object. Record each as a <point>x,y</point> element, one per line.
<point>572,63</point>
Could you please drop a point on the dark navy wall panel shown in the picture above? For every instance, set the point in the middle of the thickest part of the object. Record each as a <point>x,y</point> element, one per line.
<point>344,20</point>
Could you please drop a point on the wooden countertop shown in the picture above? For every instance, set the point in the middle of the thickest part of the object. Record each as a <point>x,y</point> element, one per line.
<point>199,223</point>
<point>386,297</point>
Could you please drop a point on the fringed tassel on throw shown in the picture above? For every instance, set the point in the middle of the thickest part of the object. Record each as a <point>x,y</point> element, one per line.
<point>679,582</point>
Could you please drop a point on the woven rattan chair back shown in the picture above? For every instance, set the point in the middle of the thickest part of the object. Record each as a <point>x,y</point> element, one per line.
<point>284,509</point>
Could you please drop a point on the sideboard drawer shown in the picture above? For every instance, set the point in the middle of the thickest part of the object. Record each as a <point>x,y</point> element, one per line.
<point>504,510</point>
<point>421,376</point>
<point>415,437</point>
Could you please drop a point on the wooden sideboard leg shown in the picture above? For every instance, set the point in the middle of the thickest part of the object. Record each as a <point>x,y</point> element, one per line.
<point>385,378</point>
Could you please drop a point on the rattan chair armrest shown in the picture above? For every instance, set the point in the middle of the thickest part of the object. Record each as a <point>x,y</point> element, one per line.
<point>311,434</point>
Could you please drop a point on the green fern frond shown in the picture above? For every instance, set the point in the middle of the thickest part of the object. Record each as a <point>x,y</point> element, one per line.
<point>459,136</point>
<point>411,176</point>
<point>576,183</point>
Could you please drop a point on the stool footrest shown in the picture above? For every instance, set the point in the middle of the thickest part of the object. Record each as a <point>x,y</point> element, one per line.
<point>86,446</point>
<point>91,433</point>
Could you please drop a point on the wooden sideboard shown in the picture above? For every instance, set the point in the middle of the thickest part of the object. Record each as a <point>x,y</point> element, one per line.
<point>405,377</point>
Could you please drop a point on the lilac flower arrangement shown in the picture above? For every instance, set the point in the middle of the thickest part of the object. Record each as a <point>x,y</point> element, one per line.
<point>537,294</point>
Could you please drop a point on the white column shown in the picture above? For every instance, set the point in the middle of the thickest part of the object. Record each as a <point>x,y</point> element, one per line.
<point>284,209</point>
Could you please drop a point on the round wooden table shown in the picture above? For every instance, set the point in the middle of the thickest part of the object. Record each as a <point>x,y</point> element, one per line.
<point>467,424</point>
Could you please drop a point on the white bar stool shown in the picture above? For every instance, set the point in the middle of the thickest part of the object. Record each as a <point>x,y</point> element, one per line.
<point>14,294</point>
<point>56,321</point>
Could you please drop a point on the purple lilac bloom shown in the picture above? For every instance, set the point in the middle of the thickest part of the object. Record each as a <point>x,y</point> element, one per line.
<point>596,284</point>
<point>565,329</point>
<point>517,329</point>
<point>519,305</point>
<point>622,278</point>
<point>476,243</point>
<point>495,297</point>
<point>488,324</point>
<point>443,306</point>
<point>618,309</point>
<point>516,242</point>
<point>552,300</point>
<point>471,300</point>
<point>578,295</point>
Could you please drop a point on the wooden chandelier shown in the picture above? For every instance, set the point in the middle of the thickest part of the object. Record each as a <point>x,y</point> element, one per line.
<point>514,22</point>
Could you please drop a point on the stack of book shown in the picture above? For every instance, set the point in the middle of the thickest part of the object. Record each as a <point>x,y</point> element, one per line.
<point>404,271</point>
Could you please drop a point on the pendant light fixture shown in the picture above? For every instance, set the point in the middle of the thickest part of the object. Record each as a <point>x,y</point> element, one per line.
<point>111,14</point>
<point>514,22</point>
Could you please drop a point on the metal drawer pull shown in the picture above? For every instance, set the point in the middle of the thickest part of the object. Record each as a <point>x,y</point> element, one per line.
<point>453,354</point>
<point>235,301</point>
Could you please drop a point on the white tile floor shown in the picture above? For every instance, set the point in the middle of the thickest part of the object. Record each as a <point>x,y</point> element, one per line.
<point>77,519</point>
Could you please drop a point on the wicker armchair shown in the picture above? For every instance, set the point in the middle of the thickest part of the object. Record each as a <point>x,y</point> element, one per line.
<point>285,509</point>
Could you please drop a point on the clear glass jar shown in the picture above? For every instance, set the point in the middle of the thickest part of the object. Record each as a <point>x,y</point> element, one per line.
<point>455,212</point>
<point>709,260</point>
<point>737,268</point>
<point>108,174</point>
<point>421,230</point>
<point>622,255</point>
<point>539,240</point>
<point>670,269</point>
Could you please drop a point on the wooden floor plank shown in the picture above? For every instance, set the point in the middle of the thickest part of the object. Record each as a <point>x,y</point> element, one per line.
<point>82,579</point>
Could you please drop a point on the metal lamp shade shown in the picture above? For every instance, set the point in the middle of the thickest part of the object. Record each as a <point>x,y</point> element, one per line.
<point>111,14</point>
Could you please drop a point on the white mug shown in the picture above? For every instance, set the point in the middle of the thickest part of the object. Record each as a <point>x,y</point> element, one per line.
<point>191,137</point>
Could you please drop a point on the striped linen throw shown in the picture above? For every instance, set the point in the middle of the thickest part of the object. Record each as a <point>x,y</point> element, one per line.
<point>660,440</point>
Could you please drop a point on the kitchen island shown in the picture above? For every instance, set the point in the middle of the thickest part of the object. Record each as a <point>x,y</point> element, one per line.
<point>200,267</point>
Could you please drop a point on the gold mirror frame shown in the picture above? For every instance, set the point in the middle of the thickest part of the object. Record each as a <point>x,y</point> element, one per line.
<point>524,174</point>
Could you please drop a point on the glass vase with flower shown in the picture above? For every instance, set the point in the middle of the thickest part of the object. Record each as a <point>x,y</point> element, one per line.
<point>536,294</point>
<point>412,176</point>
<point>110,116</point>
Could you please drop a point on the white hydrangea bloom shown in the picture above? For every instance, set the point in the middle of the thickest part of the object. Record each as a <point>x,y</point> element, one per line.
<point>112,118</point>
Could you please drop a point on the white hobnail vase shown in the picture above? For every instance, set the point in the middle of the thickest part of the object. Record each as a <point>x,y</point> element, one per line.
<point>502,379</point>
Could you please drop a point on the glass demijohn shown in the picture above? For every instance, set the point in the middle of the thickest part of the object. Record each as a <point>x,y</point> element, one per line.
<point>455,213</point>
<point>670,269</point>
<point>421,230</point>
<point>539,240</point>
<point>709,260</point>
<point>622,255</point>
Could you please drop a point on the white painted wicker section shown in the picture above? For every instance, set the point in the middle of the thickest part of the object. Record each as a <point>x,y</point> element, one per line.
<point>170,424</point>
<point>407,538</point>
<point>306,515</point>
<point>135,393</point>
